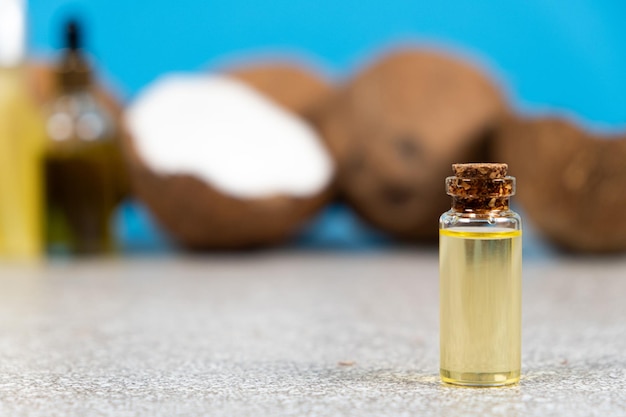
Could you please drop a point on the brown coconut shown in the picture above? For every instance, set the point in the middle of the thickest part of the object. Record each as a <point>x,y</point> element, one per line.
<point>396,128</point>
<point>199,216</point>
<point>570,183</point>
<point>293,87</point>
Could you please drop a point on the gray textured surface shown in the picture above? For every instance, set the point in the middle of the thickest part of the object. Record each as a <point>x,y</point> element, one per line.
<point>262,335</point>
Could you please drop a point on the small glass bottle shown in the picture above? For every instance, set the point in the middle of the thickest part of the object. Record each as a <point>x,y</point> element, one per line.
<point>84,171</point>
<point>480,263</point>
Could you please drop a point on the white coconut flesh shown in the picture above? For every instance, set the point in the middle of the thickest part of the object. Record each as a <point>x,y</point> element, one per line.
<point>223,132</point>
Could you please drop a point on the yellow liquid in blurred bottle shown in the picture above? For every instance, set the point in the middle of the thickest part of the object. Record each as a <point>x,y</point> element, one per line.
<point>480,306</point>
<point>21,140</point>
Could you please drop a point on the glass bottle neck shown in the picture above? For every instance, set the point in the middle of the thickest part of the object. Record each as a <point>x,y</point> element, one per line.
<point>73,72</point>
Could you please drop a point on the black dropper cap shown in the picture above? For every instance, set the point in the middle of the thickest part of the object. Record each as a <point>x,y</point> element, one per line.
<point>73,72</point>
<point>73,36</point>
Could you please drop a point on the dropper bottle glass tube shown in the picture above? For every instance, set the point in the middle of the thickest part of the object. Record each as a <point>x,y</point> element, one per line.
<point>480,263</point>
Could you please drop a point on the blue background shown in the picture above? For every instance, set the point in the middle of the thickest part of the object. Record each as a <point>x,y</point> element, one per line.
<point>563,56</point>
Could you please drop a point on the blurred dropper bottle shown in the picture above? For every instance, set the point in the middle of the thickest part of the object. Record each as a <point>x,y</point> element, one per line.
<point>82,162</point>
<point>21,139</point>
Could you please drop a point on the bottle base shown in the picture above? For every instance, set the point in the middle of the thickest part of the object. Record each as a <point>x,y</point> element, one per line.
<point>480,379</point>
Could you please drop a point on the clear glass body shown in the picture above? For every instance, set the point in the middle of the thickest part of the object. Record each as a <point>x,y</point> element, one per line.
<point>83,168</point>
<point>22,137</point>
<point>480,297</point>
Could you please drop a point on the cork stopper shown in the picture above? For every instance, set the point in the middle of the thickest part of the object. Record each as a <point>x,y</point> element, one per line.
<point>482,170</point>
<point>480,187</point>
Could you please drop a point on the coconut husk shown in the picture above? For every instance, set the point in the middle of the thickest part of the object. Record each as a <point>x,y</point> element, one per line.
<point>570,183</point>
<point>291,86</point>
<point>396,128</point>
<point>199,216</point>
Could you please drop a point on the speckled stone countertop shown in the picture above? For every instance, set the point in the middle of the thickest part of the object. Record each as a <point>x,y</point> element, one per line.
<point>293,334</point>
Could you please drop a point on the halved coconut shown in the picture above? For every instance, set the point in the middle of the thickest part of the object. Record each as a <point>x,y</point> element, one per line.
<point>221,165</point>
<point>396,128</point>
<point>571,184</point>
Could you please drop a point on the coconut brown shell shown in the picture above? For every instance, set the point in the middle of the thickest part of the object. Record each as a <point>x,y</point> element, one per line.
<point>396,128</point>
<point>200,217</point>
<point>291,86</point>
<point>571,183</point>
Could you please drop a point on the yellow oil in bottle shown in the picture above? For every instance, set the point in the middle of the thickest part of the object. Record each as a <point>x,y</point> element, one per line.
<point>480,305</point>
<point>21,142</point>
<point>82,191</point>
